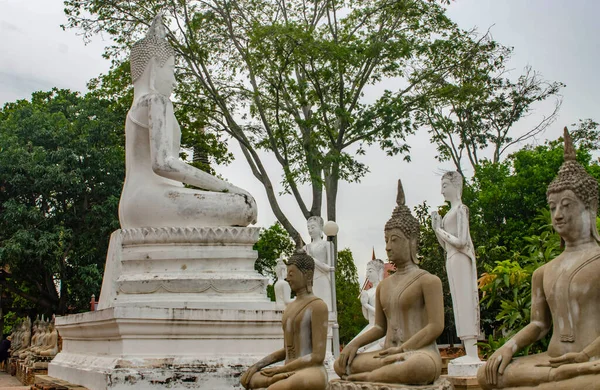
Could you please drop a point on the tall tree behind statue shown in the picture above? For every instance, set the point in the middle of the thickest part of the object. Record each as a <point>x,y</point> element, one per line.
<point>62,171</point>
<point>289,78</point>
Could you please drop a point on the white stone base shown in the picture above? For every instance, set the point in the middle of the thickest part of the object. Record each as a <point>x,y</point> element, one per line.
<point>148,348</point>
<point>464,369</point>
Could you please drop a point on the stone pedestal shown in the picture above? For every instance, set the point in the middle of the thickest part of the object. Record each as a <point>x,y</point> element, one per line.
<point>181,308</point>
<point>440,384</point>
<point>463,369</point>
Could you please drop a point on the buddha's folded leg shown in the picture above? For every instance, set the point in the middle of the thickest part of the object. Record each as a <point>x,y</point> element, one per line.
<point>567,371</point>
<point>366,362</point>
<point>312,378</point>
<point>521,372</point>
<point>417,368</point>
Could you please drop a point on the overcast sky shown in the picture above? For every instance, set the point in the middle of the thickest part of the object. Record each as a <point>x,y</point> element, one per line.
<point>557,38</point>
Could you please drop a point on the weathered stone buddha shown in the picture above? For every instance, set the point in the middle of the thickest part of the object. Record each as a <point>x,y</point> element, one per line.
<point>565,297</point>
<point>319,250</point>
<point>153,193</point>
<point>24,339</point>
<point>304,326</point>
<point>454,236</point>
<point>50,346</point>
<point>409,312</point>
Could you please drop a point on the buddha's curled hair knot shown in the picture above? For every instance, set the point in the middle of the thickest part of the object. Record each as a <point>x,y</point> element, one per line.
<point>154,45</point>
<point>402,218</point>
<point>573,176</point>
<point>302,260</point>
<point>305,264</point>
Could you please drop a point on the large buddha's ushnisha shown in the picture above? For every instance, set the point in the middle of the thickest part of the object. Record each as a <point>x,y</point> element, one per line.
<point>304,326</point>
<point>409,312</point>
<point>565,297</point>
<point>153,194</point>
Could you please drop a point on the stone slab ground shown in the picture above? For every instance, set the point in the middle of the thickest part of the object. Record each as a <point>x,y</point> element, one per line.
<point>8,382</point>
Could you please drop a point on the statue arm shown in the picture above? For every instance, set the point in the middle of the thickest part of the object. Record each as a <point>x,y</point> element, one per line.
<point>538,327</point>
<point>287,294</point>
<point>379,329</point>
<point>275,357</point>
<point>322,266</point>
<point>434,305</point>
<point>165,164</point>
<point>462,221</point>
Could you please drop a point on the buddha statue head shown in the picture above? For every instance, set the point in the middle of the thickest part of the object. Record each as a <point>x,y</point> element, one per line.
<point>300,271</point>
<point>402,233</point>
<point>315,227</point>
<point>152,60</point>
<point>573,199</point>
<point>375,269</point>
<point>452,185</point>
<point>280,269</point>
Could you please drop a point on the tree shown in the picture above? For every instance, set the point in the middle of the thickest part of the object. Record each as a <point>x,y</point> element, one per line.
<point>289,78</point>
<point>350,317</point>
<point>475,105</point>
<point>62,162</point>
<point>272,243</point>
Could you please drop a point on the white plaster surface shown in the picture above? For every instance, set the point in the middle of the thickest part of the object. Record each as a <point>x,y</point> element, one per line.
<point>464,369</point>
<point>150,348</point>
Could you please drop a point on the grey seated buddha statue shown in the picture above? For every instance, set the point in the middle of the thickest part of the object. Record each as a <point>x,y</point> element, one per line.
<point>304,324</point>
<point>565,297</point>
<point>409,313</point>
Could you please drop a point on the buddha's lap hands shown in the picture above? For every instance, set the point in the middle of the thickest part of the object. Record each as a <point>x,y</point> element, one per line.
<point>389,351</point>
<point>569,358</point>
<point>269,372</point>
<point>497,363</point>
<point>398,357</point>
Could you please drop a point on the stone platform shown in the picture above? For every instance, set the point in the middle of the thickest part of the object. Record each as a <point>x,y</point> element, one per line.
<point>440,384</point>
<point>181,308</point>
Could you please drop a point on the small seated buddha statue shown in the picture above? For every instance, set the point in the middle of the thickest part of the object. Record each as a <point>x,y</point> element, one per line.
<point>409,313</point>
<point>50,347</point>
<point>564,297</point>
<point>304,324</point>
<point>153,193</point>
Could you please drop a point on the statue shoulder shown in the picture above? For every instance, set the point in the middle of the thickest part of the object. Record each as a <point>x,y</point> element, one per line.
<point>429,279</point>
<point>318,305</point>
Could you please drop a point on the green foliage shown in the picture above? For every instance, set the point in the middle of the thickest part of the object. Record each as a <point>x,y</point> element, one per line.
<point>473,105</point>
<point>272,243</point>
<point>62,162</point>
<point>350,317</point>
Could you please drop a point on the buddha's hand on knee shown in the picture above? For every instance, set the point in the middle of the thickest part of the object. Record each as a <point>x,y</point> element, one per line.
<point>388,352</point>
<point>569,358</point>
<point>347,356</point>
<point>269,372</point>
<point>395,358</point>
<point>497,363</point>
<point>247,376</point>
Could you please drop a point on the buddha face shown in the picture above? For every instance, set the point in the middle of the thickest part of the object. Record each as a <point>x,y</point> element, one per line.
<point>295,278</point>
<point>449,190</point>
<point>314,229</point>
<point>164,77</point>
<point>570,216</point>
<point>372,274</point>
<point>398,247</point>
